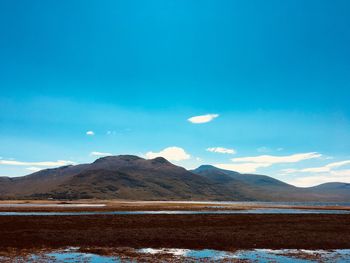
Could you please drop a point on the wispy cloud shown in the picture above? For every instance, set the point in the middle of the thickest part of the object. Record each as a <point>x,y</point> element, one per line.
<point>221,150</point>
<point>333,176</point>
<point>203,118</point>
<point>43,164</point>
<point>320,169</point>
<point>251,164</point>
<point>327,168</point>
<point>100,154</point>
<point>321,174</point>
<point>90,133</point>
<point>170,153</point>
<point>271,159</point>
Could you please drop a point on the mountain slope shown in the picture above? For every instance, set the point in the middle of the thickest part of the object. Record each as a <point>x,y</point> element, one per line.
<point>333,186</point>
<point>265,188</point>
<point>124,177</point>
<point>257,187</point>
<point>336,190</point>
<point>134,178</point>
<point>218,174</point>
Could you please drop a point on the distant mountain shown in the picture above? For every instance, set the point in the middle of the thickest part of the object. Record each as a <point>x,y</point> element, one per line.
<point>332,186</point>
<point>218,175</point>
<point>256,187</point>
<point>134,178</point>
<point>265,188</point>
<point>334,189</point>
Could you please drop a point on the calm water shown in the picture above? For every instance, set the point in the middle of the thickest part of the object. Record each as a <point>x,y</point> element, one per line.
<point>52,205</point>
<point>256,255</point>
<point>262,203</point>
<point>235,203</point>
<point>180,212</point>
<point>265,208</point>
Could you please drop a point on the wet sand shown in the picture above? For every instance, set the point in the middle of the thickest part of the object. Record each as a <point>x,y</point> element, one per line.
<point>221,232</point>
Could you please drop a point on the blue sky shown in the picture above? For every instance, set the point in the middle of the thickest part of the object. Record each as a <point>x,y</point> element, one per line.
<point>275,74</point>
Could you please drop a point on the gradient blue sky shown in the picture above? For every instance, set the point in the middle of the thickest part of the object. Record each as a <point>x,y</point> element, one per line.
<point>276,72</point>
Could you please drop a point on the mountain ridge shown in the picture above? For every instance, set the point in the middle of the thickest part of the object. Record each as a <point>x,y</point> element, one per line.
<point>135,178</point>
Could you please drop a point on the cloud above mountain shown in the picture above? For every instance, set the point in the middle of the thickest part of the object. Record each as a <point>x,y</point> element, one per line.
<point>173,153</point>
<point>271,159</point>
<point>252,163</point>
<point>332,176</point>
<point>44,164</point>
<point>331,172</point>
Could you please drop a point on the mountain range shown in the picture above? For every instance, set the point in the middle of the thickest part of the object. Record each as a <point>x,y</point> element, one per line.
<point>130,177</point>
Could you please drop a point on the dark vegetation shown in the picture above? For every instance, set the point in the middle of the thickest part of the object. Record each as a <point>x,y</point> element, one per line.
<point>223,232</point>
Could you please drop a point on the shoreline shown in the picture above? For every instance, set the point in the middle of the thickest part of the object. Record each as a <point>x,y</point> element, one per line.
<point>117,205</point>
<point>98,254</point>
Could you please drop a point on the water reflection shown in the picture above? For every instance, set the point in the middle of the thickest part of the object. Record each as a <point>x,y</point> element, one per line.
<point>187,255</point>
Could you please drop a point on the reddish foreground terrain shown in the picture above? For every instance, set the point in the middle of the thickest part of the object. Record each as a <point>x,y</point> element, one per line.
<point>224,232</point>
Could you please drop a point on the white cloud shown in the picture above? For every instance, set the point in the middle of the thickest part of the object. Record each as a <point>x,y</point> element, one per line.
<point>334,176</point>
<point>171,153</point>
<point>44,164</point>
<point>221,150</point>
<point>242,167</point>
<point>327,168</point>
<point>100,154</point>
<point>289,171</point>
<point>321,169</point>
<point>90,133</point>
<point>251,164</point>
<point>322,174</point>
<point>270,159</point>
<point>203,118</point>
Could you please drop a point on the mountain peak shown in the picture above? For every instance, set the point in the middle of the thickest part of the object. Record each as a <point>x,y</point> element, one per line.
<point>125,158</point>
<point>205,167</point>
<point>135,178</point>
<point>160,160</point>
<point>208,167</point>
